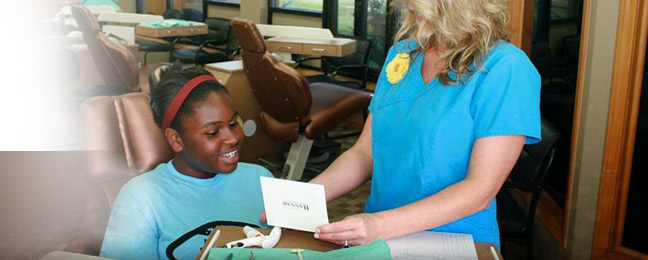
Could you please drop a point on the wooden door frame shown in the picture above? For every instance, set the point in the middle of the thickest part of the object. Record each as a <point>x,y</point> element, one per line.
<point>627,81</point>
<point>521,23</point>
<point>521,28</point>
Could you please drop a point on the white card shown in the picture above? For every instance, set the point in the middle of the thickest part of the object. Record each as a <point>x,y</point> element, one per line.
<point>293,204</point>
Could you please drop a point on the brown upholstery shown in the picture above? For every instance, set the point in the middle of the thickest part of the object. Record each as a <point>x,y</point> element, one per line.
<point>117,65</point>
<point>290,106</point>
<point>248,36</point>
<point>122,141</point>
<point>332,104</point>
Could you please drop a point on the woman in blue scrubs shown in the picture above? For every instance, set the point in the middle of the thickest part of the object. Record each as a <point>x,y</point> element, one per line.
<point>453,107</point>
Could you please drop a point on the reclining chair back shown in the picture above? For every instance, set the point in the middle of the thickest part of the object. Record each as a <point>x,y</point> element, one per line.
<point>117,64</point>
<point>122,141</point>
<point>283,93</point>
<point>291,109</point>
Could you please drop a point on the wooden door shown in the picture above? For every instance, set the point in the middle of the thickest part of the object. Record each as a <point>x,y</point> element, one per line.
<point>521,23</point>
<point>623,168</point>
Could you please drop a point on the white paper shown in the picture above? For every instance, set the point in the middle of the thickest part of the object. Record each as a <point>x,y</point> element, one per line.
<point>292,204</point>
<point>433,245</point>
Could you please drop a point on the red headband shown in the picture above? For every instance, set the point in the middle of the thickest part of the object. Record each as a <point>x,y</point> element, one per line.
<point>181,96</point>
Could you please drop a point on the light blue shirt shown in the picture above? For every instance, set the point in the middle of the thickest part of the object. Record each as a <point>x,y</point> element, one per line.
<point>156,208</point>
<point>423,134</point>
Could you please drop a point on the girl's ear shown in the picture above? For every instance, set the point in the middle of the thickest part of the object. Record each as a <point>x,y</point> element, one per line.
<point>174,139</point>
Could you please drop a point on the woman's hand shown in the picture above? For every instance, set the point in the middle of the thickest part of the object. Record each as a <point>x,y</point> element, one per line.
<point>356,229</point>
<point>263,217</point>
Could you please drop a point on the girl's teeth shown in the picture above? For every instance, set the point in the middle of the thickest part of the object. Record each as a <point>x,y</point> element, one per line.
<point>230,154</point>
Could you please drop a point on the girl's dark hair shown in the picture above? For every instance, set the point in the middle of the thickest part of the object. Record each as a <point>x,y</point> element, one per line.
<point>171,81</point>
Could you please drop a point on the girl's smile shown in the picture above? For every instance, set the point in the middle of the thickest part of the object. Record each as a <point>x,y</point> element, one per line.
<point>211,138</point>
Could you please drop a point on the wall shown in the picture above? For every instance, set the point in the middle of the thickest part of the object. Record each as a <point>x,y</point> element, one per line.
<point>594,112</point>
<point>255,10</point>
<point>127,6</point>
<point>194,4</point>
<point>300,20</point>
<point>223,11</point>
<point>596,84</point>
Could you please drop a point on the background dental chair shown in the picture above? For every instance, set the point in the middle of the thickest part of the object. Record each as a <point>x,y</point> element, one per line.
<point>355,65</point>
<point>122,141</point>
<point>291,109</point>
<point>116,64</point>
<point>148,46</point>
<point>528,175</point>
<point>190,14</point>
<point>218,38</point>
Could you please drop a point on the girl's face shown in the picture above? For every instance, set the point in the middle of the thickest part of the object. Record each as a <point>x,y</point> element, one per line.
<point>211,138</point>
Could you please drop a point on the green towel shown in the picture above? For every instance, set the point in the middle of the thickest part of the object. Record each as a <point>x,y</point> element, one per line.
<point>101,2</point>
<point>169,23</point>
<point>377,250</point>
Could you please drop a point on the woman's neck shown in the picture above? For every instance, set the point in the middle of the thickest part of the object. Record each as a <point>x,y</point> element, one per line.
<point>432,64</point>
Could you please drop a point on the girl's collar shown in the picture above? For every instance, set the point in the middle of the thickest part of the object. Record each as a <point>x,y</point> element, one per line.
<point>178,176</point>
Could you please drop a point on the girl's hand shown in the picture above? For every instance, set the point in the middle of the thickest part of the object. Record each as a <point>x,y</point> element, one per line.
<point>356,229</point>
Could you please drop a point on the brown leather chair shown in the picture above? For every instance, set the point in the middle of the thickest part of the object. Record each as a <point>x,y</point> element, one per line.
<point>292,110</point>
<point>117,65</point>
<point>122,141</point>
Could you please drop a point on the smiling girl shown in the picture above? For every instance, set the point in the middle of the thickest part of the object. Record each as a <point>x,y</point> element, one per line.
<point>157,214</point>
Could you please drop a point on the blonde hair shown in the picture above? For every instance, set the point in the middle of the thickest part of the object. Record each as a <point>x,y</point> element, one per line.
<point>467,29</point>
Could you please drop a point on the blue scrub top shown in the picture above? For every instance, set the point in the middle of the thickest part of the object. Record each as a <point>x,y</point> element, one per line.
<point>423,134</point>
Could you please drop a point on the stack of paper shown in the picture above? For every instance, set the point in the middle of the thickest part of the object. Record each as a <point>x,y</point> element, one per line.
<point>433,245</point>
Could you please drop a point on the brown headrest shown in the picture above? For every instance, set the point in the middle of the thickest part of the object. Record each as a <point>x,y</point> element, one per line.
<point>116,64</point>
<point>85,19</point>
<point>248,36</point>
<point>121,137</point>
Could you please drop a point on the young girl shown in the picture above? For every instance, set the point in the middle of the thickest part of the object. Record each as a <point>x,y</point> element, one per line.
<point>157,213</point>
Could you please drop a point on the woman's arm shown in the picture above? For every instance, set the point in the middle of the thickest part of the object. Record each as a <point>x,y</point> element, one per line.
<point>491,161</point>
<point>351,169</point>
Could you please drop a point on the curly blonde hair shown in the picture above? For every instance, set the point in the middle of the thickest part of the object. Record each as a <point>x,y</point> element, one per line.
<point>467,29</point>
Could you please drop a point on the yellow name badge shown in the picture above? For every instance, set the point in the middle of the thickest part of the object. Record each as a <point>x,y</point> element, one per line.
<point>397,68</point>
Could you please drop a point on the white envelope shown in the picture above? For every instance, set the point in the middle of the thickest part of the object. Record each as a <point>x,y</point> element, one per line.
<point>295,205</point>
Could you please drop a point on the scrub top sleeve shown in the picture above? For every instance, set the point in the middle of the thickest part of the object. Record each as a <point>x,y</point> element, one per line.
<point>506,100</point>
<point>131,232</point>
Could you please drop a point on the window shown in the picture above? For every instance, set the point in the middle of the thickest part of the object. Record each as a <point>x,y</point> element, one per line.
<point>311,6</point>
<point>378,32</point>
<point>364,19</point>
<point>565,9</point>
<point>225,2</point>
<point>348,18</point>
<point>345,17</point>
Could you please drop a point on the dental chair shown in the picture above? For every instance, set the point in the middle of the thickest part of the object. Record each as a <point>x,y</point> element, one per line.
<point>116,64</point>
<point>122,141</point>
<point>291,109</point>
